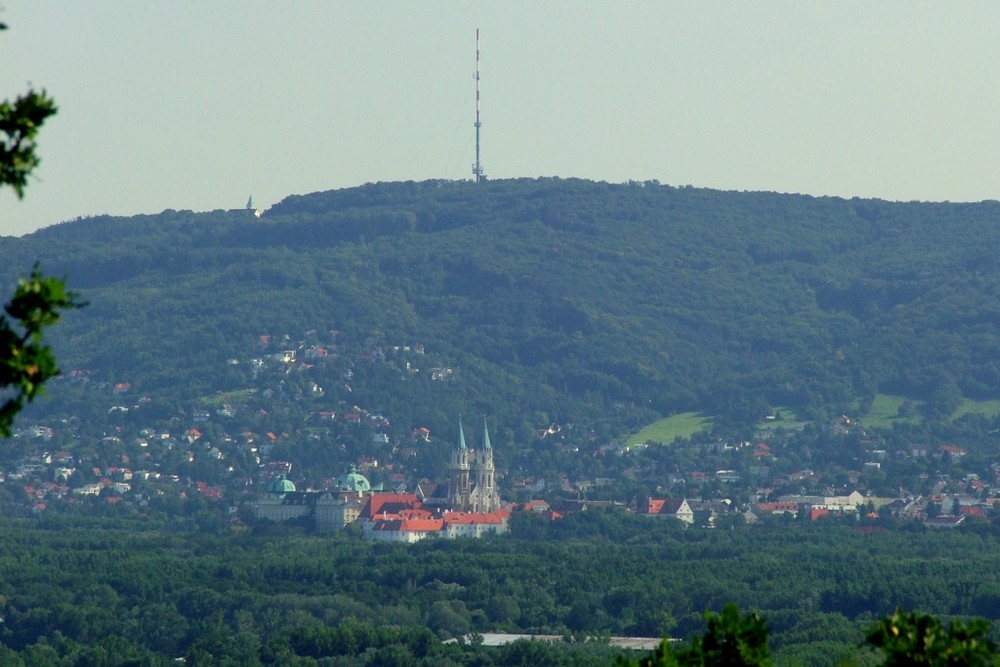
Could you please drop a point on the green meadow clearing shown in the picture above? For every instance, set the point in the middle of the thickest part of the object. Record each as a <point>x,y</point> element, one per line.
<point>985,408</point>
<point>890,409</point>
<point>781,418</point>
<point>886,410</point>
<point>682,425</point>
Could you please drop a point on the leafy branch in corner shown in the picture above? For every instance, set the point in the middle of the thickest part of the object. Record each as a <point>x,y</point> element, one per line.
<point>26,362</point>
<point>20,121</point>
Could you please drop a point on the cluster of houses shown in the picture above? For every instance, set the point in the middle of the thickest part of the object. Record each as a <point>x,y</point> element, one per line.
<point>58,477</point>
<point>938,510</point>
<point>704,513</point>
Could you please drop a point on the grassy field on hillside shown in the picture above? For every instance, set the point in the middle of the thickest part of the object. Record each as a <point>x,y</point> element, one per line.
<point>888,409</point>
<point>885,411</point>
<point>781,418</point>
<point>222,398</point>
<point>987,408</point>
<point>682,425</point>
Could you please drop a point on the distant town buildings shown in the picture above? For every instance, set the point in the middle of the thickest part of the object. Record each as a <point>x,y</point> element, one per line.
<point>471,510</point>
<point>330,510</point>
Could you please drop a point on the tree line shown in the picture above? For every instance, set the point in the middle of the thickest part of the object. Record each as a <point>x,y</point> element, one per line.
<point>158,589</point>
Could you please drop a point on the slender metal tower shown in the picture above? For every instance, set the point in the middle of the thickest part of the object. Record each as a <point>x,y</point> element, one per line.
<point>477,168</point>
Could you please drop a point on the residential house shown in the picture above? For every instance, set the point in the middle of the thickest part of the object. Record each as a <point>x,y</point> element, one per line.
<point>778,508</point>
<point>677,508</point>
<point>952,452</point>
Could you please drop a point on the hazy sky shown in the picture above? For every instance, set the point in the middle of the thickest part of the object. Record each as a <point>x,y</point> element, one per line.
<point>195,104</point>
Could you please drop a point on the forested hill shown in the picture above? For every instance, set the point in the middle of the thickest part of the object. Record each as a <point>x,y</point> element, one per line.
<point>551,299</point>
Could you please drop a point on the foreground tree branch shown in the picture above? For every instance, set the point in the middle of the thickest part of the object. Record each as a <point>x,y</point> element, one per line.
<point>26,361</point>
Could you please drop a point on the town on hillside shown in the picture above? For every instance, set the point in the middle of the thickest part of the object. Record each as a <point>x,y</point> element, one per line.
<point>296,447</point>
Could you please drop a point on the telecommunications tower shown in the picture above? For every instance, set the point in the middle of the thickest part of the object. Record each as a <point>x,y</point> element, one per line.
<point>477,168</point>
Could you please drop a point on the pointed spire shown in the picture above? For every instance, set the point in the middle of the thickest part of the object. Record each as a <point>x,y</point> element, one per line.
<point>461,434</point>
<point>486,434</point>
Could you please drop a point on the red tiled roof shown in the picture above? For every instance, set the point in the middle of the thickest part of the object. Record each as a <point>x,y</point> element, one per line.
<point>536,506</point>
<point>663,505</point>
<point>419,525</point>
<point>389,503</point>
<point>409,525</point>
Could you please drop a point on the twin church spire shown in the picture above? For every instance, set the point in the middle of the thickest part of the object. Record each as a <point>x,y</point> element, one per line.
<point>462,496</point>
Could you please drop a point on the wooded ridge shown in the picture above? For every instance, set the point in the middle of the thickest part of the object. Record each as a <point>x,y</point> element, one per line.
<point>564,300</point>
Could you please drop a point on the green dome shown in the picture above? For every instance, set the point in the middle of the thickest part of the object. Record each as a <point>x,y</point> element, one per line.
<point>282,485</point>
<point>353,481</point>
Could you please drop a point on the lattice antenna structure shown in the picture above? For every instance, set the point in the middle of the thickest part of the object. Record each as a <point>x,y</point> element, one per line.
<point>477,168</point>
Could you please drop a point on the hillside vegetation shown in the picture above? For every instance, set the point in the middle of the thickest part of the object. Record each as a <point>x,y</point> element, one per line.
<point>553,300</point>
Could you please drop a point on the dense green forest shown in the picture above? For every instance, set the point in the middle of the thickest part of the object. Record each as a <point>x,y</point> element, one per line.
<point>554,300</point>
<point>146,590</point>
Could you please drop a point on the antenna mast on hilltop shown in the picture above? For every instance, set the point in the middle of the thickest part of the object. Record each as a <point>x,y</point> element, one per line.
<point>477,168</point>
